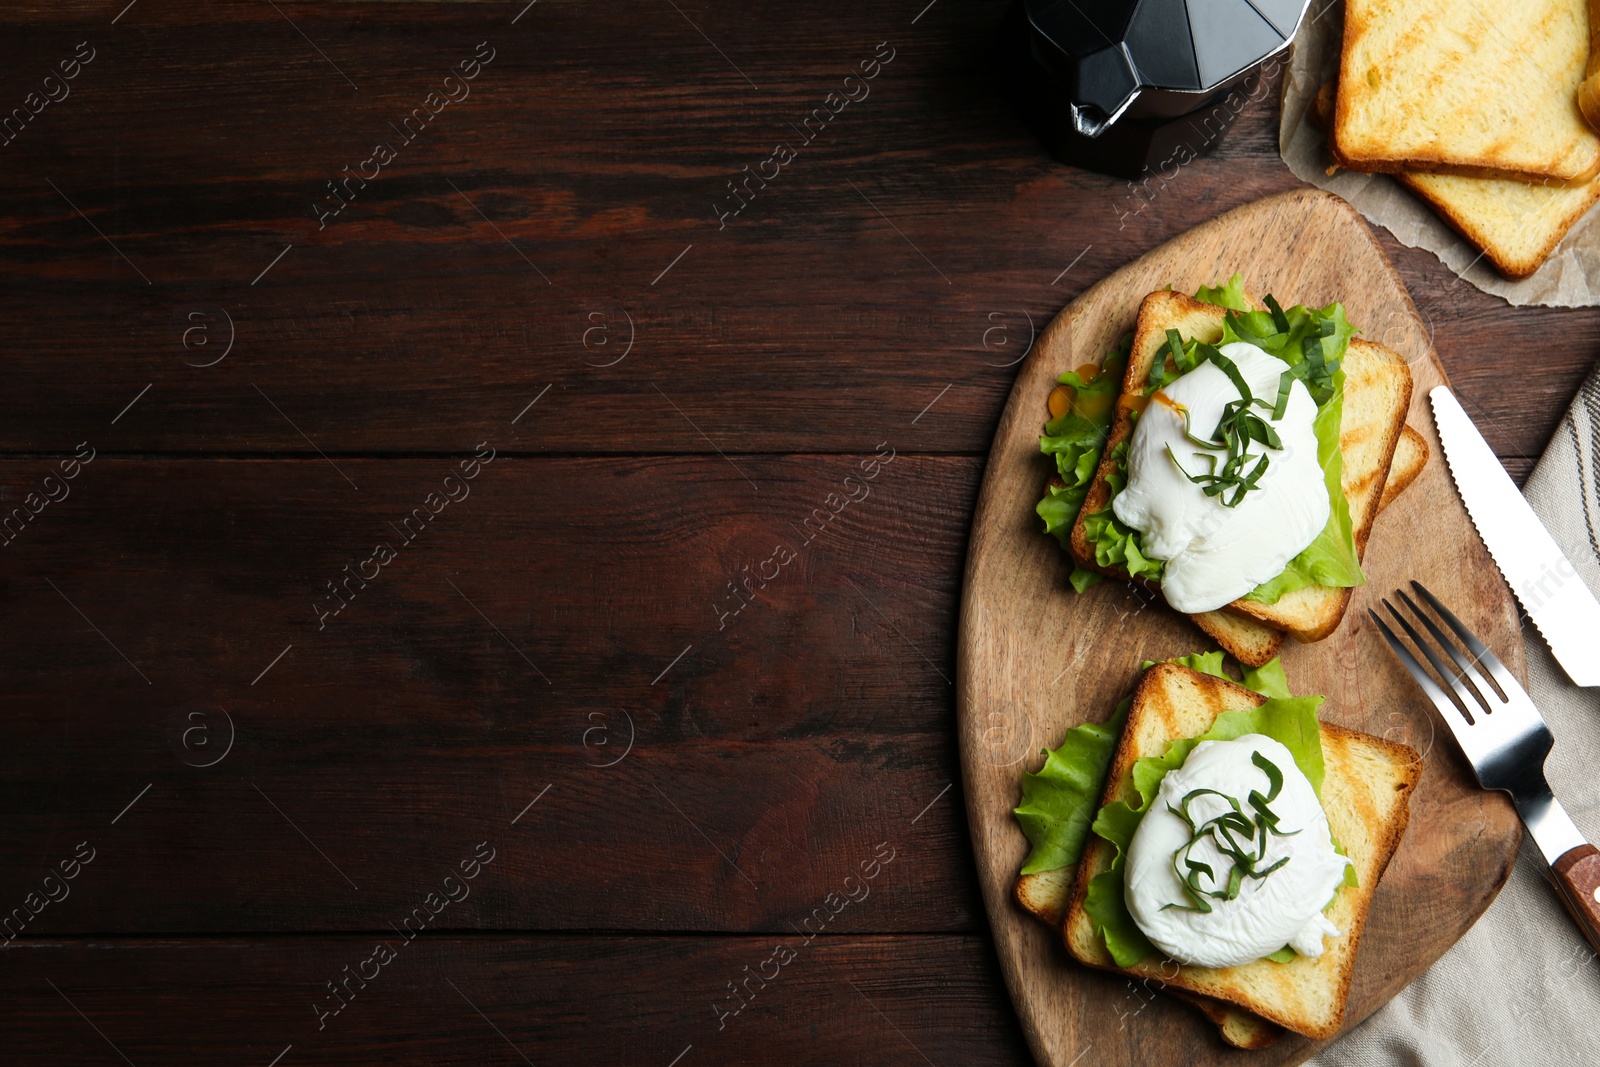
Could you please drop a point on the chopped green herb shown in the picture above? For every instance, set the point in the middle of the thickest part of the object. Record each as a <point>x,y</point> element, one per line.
<point>1238,426</point>
<point>1281,405</point>
<point>1076,440</point>
<point>1279,319</point>
<point>1235,834</point>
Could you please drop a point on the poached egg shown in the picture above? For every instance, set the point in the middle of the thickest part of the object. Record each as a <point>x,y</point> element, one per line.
<point>1215,554</point>
<point>1283,908</point>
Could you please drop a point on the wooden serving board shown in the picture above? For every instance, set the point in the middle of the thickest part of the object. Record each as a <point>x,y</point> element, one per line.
<point>1034,658</point>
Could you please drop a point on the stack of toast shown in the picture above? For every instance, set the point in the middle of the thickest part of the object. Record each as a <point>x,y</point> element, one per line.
<point>1381,457</point>
<point>1365,794</point>
<point>1473,107</point>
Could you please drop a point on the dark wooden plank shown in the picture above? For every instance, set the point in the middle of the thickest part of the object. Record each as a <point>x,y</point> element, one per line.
<point>837,1000</point>
<point>1519,467</point>
<point>200,146</point>
<point>561,608</point>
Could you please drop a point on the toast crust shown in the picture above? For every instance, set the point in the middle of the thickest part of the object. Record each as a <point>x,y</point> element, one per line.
<point>1410,456</point>
<point>1367,816</point>
<point>1239,1028</point>
<point>1312,613</point>
<point>1044,895</point>
<point>1423,166</point>
<point>1246,640</point>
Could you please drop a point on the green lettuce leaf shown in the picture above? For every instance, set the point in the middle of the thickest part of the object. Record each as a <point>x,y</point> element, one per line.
<point>1104,903</point>
<point>1076,443</point>
<point>1267,679</point>
<point>1114,543</point>
<point>1229,295</point>
<point>1077,440</point>
<point>1289,720</point>
<point>1313,343</point>
<point>1330,559</point>
<point>1058,802</point>
<point>1204,662</point>
<point>1081,578</point>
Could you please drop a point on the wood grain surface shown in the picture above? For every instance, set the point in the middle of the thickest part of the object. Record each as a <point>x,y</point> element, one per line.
<point>484,289</point>
<point>519,642</point>
<point>510,1000</point>
<point>198,141</point>
<point>1035,658</point>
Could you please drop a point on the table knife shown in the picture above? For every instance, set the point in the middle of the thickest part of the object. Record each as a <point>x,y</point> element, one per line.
<point>1546,584</point>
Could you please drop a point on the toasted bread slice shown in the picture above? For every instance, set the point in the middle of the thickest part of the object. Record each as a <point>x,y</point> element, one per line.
<point>1376,394</point>
<point>1045,896</point>
<point>1410,456</point>
<point>1514,224</point>
<point>1246,640</point>
<point>1365,793</point>
<point>1442,85</point>
<point>1239,1028</point>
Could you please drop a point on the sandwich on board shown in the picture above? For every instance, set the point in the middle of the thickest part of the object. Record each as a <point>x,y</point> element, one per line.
<point>1328,803</point>
<point>1197,545</point>
<point>1291,389</point>
<point>1364,793</point>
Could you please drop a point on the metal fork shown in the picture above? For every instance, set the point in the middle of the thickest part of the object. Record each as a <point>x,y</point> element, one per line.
<point>1505,739</point>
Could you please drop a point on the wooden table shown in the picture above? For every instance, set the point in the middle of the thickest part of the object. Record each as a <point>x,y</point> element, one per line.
<point>402,601</point>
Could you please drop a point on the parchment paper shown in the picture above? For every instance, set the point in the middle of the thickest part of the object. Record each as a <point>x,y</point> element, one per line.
<point>1569,278</point>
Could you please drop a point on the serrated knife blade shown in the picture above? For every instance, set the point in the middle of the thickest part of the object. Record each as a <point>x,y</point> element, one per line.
<point>1546,584</point>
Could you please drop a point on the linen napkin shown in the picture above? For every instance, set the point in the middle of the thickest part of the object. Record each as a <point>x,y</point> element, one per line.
<point>1522,987</point>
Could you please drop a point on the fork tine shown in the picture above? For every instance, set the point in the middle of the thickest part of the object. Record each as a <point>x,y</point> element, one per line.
<point>1497,670</point>
<point>1468,700</point>
<point>1473,677</point>
<point>1440,698</point>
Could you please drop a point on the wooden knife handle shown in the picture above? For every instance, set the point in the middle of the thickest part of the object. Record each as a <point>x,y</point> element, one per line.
<point>1577,875</point>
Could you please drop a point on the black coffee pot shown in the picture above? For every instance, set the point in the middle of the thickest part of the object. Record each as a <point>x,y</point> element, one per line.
<point>1129,87</point>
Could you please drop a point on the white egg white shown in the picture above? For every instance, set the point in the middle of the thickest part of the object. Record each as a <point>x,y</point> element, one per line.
<point>1215,554</point>
<point>1283,908</point>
